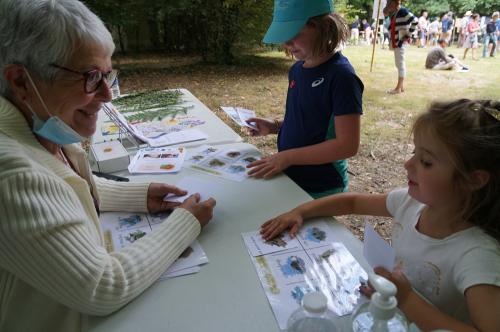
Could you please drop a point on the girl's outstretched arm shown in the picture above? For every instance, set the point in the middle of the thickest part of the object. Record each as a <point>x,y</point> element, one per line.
<point>344,145</point>
<point>483,302</point>
<point>334,205</point>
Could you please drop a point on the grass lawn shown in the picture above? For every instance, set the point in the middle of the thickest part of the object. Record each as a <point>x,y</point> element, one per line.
<point>259,82</point>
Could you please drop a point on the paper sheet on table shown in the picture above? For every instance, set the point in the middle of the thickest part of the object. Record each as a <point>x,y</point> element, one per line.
<point>122,229</point>
<point>222,162</point>
<point>240,115</point>
<point>320,263</point>
<point>193,185</point>
<point>193,256</point>
<point>157,160</point>
<point>188,135</point>
<point>183,272</point>
<point>157,133</point>
<point>377,251</point>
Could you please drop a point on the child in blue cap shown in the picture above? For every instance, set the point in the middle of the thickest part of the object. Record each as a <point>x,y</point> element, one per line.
<point>321,127</point>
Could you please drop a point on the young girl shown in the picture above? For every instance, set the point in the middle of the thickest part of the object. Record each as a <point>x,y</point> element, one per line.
<point>323,107</point>
<point>446,228</point>
<point>471,41</point>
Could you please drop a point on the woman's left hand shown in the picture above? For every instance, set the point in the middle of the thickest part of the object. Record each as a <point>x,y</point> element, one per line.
<point>157,191</point>
<point>269,166</point>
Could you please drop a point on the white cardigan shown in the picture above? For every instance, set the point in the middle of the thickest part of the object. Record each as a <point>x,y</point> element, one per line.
<point>53,262</point>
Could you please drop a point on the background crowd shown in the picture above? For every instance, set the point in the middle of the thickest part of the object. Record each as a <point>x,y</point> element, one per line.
<point>468,31</point>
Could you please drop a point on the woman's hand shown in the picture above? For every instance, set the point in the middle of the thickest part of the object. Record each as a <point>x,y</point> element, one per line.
<point>203,211</point>
<point>274,227</point>
<point>264,127</point>
<point>156,192</point>
<point>269,166</point>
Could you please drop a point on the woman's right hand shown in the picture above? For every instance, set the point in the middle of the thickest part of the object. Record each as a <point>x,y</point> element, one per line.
<point>203,211</point>
<point>274,227</point>
<point>264,127</point>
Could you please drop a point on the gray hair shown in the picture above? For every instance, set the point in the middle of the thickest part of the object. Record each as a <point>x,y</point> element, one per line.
<point>37,33</point>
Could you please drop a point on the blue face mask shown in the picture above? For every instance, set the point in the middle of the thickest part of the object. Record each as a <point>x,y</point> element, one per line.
<point>54,129</point>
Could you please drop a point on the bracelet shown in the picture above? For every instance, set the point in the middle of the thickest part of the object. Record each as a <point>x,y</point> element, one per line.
<point>277,125</point>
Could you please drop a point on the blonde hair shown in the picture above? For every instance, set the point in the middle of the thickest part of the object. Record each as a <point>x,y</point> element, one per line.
<point>470,130</point>
<point>332,31</point>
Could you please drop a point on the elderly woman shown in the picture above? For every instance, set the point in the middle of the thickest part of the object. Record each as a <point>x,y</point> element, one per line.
<point>55,58</point>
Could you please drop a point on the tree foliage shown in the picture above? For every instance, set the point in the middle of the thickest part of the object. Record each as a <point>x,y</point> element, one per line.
<point>209,27</point>
<point>213,28</point>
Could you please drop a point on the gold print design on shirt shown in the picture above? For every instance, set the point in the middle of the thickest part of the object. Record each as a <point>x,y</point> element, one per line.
<point>429,278</point>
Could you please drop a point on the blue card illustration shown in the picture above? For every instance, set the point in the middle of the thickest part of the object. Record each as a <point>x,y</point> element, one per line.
<point>129,221</point>
<point>293,266</point>
<point>124,222</point>
<point>159,217</point>
<point>258,246</point>
<point>315,235</point>
<point>298,292</point>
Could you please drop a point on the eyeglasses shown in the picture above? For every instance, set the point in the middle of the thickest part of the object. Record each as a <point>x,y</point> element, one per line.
<point>93,78</point>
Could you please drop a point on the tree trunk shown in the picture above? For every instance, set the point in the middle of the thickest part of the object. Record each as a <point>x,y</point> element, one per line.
<point>120,39</point>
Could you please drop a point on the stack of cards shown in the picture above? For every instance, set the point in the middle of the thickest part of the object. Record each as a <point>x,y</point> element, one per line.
<point>157,160</point>
<point>123,229</point>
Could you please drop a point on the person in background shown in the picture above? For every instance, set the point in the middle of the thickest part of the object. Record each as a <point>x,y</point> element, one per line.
<point>403,24</point>
<point>491,35</point>
<point>446,228</point>
<point>321,127</point>
<point>446,25</point>
<point>437,59</point>
<point>56,73</point>
<point>422,29</point>
<point>433,32</point>
<point>355,31</point>
<point>471,42</point>
<point>368,31</point>
<point>463,28</point>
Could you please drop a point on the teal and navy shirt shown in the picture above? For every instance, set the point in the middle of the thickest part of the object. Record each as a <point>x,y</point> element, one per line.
<point>316,96</point>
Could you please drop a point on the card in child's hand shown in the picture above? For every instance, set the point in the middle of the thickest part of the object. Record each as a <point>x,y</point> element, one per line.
<point>377,251</point>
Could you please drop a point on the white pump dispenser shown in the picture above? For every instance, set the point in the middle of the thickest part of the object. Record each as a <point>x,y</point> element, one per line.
<point>381,313</point>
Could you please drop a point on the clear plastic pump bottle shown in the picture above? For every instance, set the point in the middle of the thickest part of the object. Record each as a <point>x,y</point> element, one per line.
<point>381,313</point>
<point>313,316</point>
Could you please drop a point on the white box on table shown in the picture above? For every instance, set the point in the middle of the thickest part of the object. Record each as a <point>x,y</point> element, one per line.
<point>108,157</point>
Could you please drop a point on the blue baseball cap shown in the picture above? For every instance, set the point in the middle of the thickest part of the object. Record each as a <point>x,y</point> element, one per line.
<point>290,16</point>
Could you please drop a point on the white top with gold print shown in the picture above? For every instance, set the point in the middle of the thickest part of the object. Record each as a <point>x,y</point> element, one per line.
<point>441,269</point>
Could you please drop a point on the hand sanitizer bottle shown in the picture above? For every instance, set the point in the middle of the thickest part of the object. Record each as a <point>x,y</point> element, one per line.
<point>313,315</point>
<point>381,313</point>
